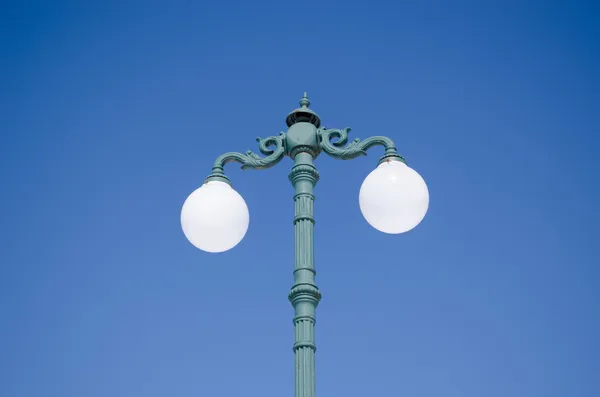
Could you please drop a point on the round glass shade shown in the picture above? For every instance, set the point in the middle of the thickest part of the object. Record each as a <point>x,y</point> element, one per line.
<point>215,218</point>
<point>393,198</point>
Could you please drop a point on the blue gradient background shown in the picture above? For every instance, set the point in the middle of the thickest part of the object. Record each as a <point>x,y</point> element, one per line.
<point>112,114</point>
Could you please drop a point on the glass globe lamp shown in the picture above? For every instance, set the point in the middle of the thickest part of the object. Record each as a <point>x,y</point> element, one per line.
<point>393,198</point>
<point>215,218</point>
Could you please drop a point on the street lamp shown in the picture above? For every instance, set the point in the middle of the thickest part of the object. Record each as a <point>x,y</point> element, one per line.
<point>393,199</point>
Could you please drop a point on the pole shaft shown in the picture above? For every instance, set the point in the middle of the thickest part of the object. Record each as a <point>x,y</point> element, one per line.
<point>304,295</point>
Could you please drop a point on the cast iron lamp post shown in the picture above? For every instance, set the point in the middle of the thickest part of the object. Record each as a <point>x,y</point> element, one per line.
<point>393,199</point>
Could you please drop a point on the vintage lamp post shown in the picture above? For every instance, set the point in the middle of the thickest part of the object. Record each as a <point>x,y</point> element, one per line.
<point>393,199</point>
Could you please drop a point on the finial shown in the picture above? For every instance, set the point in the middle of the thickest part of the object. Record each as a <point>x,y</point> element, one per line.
<point>303,114</point>
<point>304,102</point>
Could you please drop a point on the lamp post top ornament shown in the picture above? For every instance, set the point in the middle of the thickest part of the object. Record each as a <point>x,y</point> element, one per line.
<point>303,114</point>
<point>304,102</point>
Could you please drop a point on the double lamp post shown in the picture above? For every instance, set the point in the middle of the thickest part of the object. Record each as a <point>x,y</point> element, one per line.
<point>393,199</point>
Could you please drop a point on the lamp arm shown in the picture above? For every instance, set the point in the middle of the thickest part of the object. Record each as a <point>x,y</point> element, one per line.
<point>271,147</point>
<point>339,150</point>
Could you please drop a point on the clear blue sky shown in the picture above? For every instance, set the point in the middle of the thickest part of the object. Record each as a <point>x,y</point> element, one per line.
<point>110,115</point>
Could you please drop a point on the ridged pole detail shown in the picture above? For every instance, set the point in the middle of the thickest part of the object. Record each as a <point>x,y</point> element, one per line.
<point>304,295</point>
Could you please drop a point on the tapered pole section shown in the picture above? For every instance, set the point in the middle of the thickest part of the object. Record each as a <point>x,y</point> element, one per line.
<point>304,295</point>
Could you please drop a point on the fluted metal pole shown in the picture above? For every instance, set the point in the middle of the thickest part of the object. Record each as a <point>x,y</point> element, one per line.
<point>304,294</point>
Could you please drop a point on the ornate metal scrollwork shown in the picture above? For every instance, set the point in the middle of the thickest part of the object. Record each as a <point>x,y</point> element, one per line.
<point>339,150</point>
<point>271,147</point>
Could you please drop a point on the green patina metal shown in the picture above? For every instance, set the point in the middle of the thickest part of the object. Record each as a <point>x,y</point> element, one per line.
<point>356,148</point>
<point>304,295</point>
<point>303,142</point>
<point>271,147</point>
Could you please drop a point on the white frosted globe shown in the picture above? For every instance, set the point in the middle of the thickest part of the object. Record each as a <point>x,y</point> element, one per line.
<point>393,198</point>
<point>215,218</point>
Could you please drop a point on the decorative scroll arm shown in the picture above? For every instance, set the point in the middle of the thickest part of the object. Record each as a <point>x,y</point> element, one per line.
<point>340,150</point>
<point>271,147</point>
